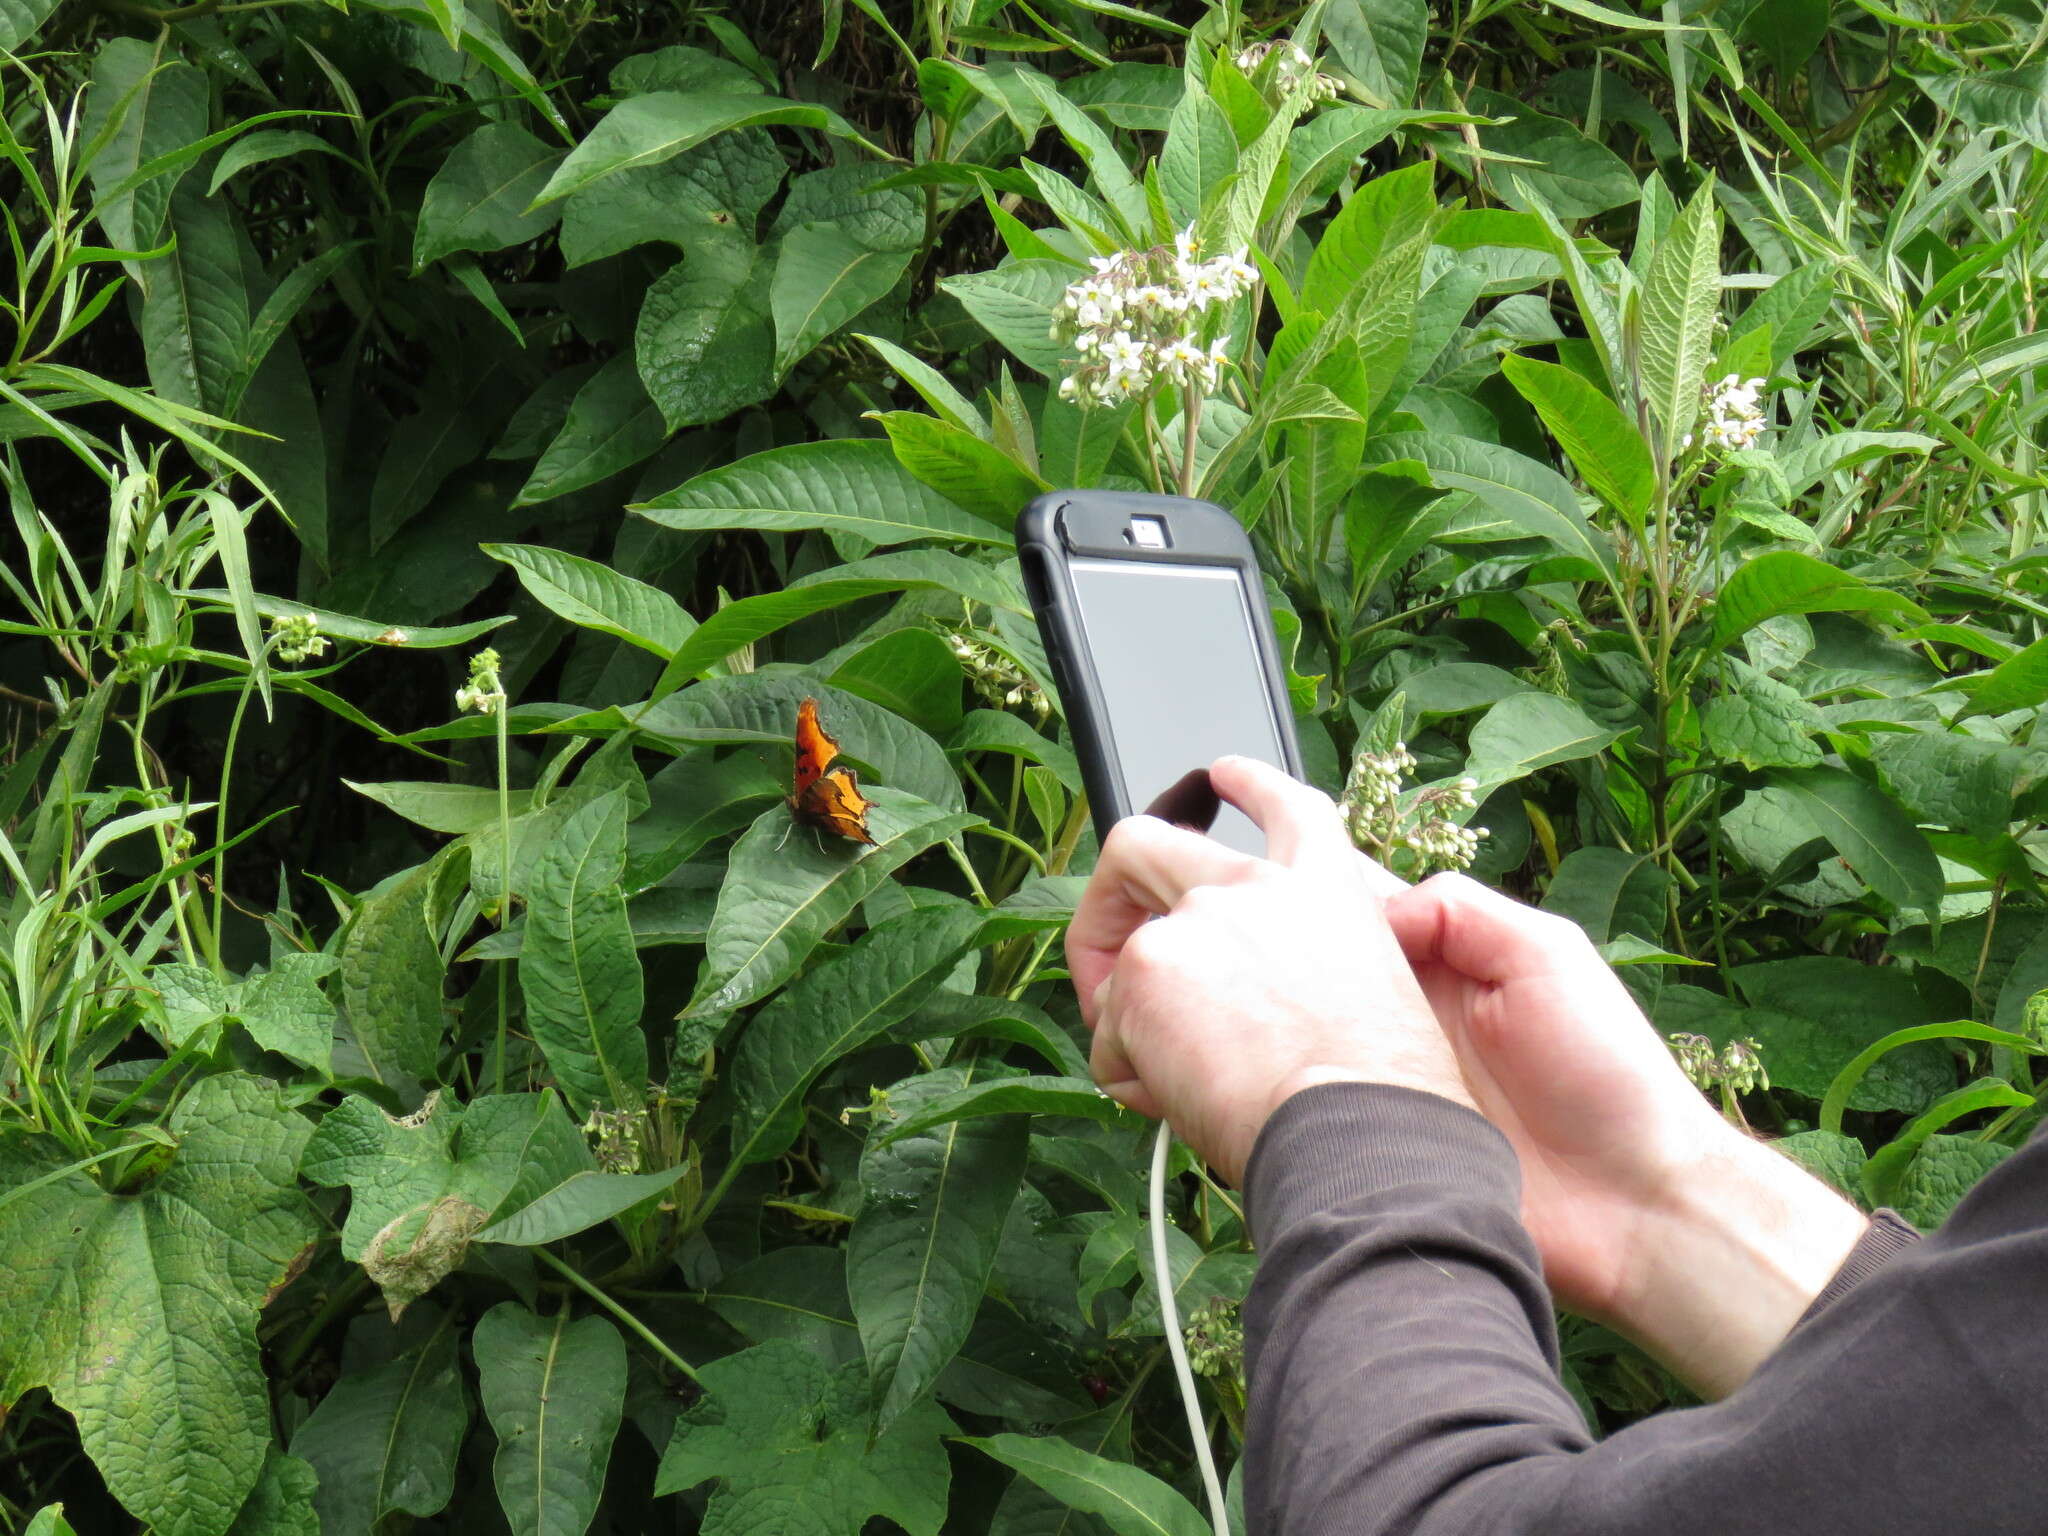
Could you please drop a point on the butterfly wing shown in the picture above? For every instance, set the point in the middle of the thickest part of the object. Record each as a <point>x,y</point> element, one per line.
<point>835,804</point>
<point>815,749</point>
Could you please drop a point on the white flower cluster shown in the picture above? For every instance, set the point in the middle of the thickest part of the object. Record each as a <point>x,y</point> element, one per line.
<point>1738,1067</point>
<point>614,1136</point>
<point>1291,68</point>
<point>296,638</point>
<point>484,692</point>
<point>1373,786</point>
<point>1138,318</point>
<point>1735,415</point>
<point>1444,843</point>
<point>995,677</point>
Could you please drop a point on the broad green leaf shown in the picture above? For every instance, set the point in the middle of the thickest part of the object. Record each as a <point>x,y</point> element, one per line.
<point>1379,44</point>
<point>1680,299</point>
<point>1013,1096</point>
<point>582,1200</point>
<point>952,1016</point>
<point>704,343</point>
<point>1132,1501</point>
<point>1532,497</point>
<point>146,107</point>
<point>597,597</point>
<point>787,1438</point>
<point>282,1503</point>
<point>935,388</point>
<point>846,487</point>
<point>1762,723</point>
<point>961,467</point>
<point>344,626</point>
<point>1609,893</point>
<point>2013,101</point>
<point>1948,779</point>
<point>421,1186</point>
<point>195,307</point>
<point>553,1391</point>
<point>385,1440</point>
<point>2018,682</point>
<point>696,798</point>
<point>479,197</point>
<point>424,448</point>
<point>1530,731</point>
<point>1571,175</point>
<point>1380,215</point>
<point>1882,1172</point>
<point>138,1312</point>
<point>1200,152</point>
<point>1785,581</point>
<point>824,276</point>
<point>1602,444</point>
<point>1828,1155</point>
<point>263,147</point>
<point>578,968</point>
<point>1867,828</point>
<point>1014,304</point>
<point>994,730</point>
<point>1805,467</point>
<point>1943,1172</point>
<point>612,425</point>
<point>913,673</point>
<point>646,130</point>
<point>837,1007</point>
<point>19,21</point>
<point>919,1254</point>
<point>391,982</point>
<point>713,191</point>
<point>762,707</point>
<point>284,1010</point>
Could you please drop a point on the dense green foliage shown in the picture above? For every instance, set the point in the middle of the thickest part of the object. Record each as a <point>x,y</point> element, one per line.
<point>441,1090</point>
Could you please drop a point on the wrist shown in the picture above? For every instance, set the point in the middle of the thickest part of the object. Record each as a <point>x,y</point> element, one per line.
<point>1448,1084</point>
<point>1728,1257</point>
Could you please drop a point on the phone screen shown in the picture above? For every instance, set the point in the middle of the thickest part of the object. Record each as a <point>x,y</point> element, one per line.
<point>1180,676</point>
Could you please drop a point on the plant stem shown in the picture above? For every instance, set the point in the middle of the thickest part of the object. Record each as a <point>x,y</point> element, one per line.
<point>647,1335</point>
<point>504,888</point>
<point>220,817</point>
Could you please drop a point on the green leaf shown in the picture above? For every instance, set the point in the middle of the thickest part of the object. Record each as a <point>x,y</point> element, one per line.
<point>344,626</point>
<point>847,487</point>
<point>994,730</point>
<point>824,276</point>
<point>787,1438</point>
<point>1379,44</point>
<point>19,21</point>
<point>1762,723</point>
<point>1380,215</point>
<point>391,982</point>
<point>582,1200</point>
<point>1806,466</point>
<point>1077,1097</point>
<point>2018,682</point>
<point>1785,581</point>
<point>909,672</point>
<point>147,107</point>
<point>1531,496</point>
<point>578,968</point>
<point>1570,175</point>
<point>553,1391</point>
<point>714,191</point>
<point>935,388</point>
<point>1881,1174</point>
<point>1200,152</point>
<point>612,425</point>
<point>646,130</point>
<point>385,1440</point>
<point>282,1503</point>
<point>597,597</point>
<point>1132,1501</point>
<point>284,1010</point>
<point>1829,1156</point>
<point>1867,828</point>
<point>1014,304</point>
<point>952,1016</point>
<point>452,808</point>
<point>762,707</point>
<point>479,197</point>
<point>837,1007</point>
<point>138,1312</point>
<point>1680,299</point>
<point>422,1185</point>
<point>704,343</point>
<point>1842,1093</point>
<point>1530,731</point>
<point>195,306</point>
<point>1945,1170</point>
<point>1609,893</point>
<point>961,467</point>
<point>919,1255</point>
<point>1603,445</point>
<point>2013,101</point>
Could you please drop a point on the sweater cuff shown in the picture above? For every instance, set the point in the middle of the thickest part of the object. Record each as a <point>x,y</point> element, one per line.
<point>1336,1142</point>
<point>1888,1235</point>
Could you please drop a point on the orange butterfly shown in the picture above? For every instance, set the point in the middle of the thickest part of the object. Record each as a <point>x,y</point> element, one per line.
<point>826,798</point>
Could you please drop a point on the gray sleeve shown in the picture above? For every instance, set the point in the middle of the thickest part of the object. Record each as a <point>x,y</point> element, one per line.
<point>1402,1360</point>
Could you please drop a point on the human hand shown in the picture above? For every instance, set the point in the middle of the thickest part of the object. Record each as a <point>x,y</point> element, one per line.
<point>1218,984</point>
<point>1650,1211</point>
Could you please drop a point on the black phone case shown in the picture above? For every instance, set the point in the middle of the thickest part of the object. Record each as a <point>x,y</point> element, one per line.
<point>1097,524</point>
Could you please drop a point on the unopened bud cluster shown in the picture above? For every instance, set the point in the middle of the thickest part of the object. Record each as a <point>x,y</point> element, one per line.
<point>1737,1067</point>
<point>1138,319</point>
<point>296,637</point>
<point>996,678</point>
<point>615,1136</point>
<point>1292,67</point>
<point>1215,1340</point>
<point>1373,813</point>
<point>1735,417</point>
<point>485,691</point>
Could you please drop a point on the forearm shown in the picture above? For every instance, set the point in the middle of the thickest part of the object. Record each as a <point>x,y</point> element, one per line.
<point>1731,1260</point>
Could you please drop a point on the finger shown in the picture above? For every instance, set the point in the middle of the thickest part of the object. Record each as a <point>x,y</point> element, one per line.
<point>1145,869</point>
<point>1380,880</point>
<point>1108,1063</point>
<point>1454,921</point>
<point>1302,827</point>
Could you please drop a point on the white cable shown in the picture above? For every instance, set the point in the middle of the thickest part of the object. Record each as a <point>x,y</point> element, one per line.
<point>1169,1314</point>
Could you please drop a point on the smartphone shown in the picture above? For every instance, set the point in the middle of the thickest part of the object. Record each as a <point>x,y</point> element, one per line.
<point>1156,628</point>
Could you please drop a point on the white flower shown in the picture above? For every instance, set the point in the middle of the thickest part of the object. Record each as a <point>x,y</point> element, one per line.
<point>1125,355</point>
<point>1184,359</point>
<point>1187,247</point>
<point>1735,417</point>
